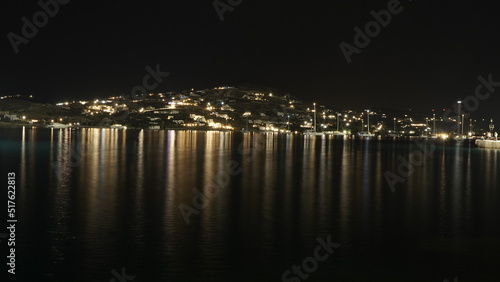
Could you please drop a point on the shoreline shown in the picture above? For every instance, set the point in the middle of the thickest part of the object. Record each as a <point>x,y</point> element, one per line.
<point>347,136</point>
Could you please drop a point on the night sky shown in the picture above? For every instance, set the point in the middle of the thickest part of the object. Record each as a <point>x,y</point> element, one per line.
<point>428,56</point>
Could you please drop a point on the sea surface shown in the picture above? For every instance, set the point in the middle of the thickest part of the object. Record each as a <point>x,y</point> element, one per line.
<point>154,205</point>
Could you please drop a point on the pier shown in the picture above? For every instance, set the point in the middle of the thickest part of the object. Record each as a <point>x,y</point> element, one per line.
<point>490,144</point>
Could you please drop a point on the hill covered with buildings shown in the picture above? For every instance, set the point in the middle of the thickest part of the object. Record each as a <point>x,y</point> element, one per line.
<point>224,108</point>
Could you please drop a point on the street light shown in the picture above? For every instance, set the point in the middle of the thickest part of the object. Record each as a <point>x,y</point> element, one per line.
<point>338,120</point>
<point>324,120</point>
<point>434,124</point>
<point>462,122</point>
<point>314,104</point>
<point>368,116</point>
<point>459,114</point>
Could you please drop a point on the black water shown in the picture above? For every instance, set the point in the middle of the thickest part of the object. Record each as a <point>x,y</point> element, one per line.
<point>93,200</point>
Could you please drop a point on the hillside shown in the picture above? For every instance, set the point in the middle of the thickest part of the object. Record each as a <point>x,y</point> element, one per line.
<point>33,109</point>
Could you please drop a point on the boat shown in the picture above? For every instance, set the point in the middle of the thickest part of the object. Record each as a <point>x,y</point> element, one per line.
<point>336,133</point>
<point>118,126</point>
<point>366,134</point>
<point>314,132</point>
<point>393,135</point>
<point>58,125</point>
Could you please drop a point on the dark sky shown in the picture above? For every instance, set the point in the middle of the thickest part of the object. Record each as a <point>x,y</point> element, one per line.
<point>428,56</point>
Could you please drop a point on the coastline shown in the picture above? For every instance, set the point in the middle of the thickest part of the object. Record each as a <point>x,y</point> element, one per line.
<point>477,142</point>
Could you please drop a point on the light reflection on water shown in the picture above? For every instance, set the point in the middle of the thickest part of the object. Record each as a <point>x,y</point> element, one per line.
<point>93,200</point>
